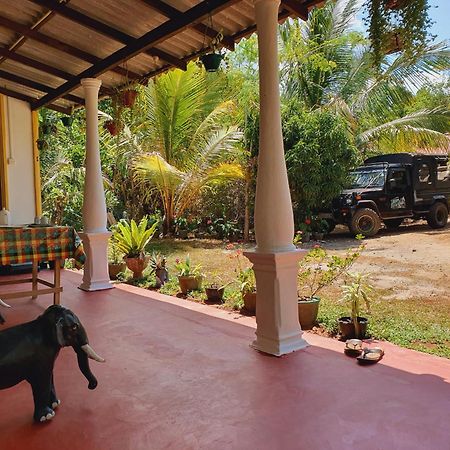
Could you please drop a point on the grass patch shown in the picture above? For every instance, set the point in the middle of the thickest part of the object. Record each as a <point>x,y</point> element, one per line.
<point>419,324</point>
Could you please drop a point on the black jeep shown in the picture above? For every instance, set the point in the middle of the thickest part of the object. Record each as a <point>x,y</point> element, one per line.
<point>390,188</point>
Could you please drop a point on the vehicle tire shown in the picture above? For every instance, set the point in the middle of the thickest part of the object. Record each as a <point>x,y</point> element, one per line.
<point>331,225</point>
<point>366,222</point>
<point>438,215</point>
<point>393,224</point>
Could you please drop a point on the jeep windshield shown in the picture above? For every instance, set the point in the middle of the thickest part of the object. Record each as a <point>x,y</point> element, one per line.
<point>365,178</point>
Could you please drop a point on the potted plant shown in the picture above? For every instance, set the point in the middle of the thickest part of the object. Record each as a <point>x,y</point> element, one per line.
<point>113,126</point>
<point>189,277</point>
<point>215,289</point>
<point>158,267</point>
<point>305,230</point>
<point>354,294</point>
<point>128,97</point>
<point>131,240</point>
<point>248,289</point>
<point>211,61</point>
<point>316,271</point>
<point>67,120</point>
<point>405,22</point>
<point>116,264</point>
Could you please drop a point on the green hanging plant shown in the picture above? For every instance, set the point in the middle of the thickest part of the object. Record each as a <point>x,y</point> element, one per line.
<point>397,25</point>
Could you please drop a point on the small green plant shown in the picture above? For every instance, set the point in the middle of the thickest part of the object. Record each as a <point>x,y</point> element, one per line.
<point>318,270</point>
<point>131,238</point>
<point>186,269</point>
<point>115,256</point>
<point>157,262</point>
<point>355,293</point>
<point>247,281</point>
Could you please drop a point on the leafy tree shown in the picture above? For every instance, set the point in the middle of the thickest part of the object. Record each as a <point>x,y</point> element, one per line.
<point>319,154</point>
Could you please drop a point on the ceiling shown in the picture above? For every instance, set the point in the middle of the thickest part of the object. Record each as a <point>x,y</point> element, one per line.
<point>48,46</point>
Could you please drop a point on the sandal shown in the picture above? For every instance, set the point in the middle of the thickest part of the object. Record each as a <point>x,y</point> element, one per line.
<point>371,355</point>
<point>353,347</point>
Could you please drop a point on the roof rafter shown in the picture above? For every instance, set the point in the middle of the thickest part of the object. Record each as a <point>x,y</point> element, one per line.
<point>26,98</point>
<point>106,30</point>
<point>59,45</point>
<point>37,86</point>
<point>172,13</point>
<point>153,37</point>
<point>296,8</point>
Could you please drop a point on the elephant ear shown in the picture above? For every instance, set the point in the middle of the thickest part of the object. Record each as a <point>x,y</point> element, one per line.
<point>59,332</point>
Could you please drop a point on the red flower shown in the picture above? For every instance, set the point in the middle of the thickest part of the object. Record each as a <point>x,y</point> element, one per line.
<point>308,221</point>
<point>229,247</point>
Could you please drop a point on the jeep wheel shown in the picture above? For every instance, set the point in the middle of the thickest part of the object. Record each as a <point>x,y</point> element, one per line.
<point>365,221</point>
<point>438,215</point>
<point>393,224</point>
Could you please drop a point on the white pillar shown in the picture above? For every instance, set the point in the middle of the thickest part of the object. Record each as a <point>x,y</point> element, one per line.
<point>275,259</point>
<point>95,234</point>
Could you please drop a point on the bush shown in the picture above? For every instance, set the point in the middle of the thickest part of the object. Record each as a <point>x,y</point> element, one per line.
<point>320,152</point>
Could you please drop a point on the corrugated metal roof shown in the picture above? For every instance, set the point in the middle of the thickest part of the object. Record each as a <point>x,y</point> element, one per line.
<point>117,23</point>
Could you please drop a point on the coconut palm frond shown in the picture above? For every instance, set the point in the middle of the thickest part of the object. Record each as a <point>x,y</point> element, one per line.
<point>420,130</point>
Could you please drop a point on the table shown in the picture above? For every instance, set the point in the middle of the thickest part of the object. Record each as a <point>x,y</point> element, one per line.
<point>39,243</point>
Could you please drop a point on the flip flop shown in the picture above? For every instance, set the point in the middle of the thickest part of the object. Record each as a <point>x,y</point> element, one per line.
<point>353,347</point>
<point>370,356</point>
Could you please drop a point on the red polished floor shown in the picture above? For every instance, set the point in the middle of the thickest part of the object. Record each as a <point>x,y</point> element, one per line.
<point>182,376</point>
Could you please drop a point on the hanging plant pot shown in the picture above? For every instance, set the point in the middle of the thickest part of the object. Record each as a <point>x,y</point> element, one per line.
<point>113,127</point>
<point>394,43</point>
<point>67,121</point>
<point>128,98</point>
<point>211,61</point>
<point>395,4</point>
<point>48,128</point>
<point>41,144</point>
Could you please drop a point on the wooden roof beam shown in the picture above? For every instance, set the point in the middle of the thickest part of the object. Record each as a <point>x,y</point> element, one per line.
<point>37,86</point>
<point>59,45</point>
<point>159,34</point>
<point>172,13</point>
<point>27,99</point>
<point>106,30</point>
<point>296,8</point>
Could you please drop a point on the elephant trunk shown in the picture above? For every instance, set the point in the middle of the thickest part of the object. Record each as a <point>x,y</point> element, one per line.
<point>85,351</point>
<point>83,364</point>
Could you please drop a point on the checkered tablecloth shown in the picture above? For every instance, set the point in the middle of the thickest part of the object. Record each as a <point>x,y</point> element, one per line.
<point>21,245</point>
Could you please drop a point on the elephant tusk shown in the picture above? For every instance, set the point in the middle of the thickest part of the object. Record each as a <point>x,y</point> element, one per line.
<point>91,354</point>
<point>2,303</point>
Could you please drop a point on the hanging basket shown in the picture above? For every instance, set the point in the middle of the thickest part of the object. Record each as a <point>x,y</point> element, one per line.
<point>67,121</point>
<point>394,43</point>
<point>113,127</point>
<point>128,98</point>
<point>211,61</point>
<point>394,4</point>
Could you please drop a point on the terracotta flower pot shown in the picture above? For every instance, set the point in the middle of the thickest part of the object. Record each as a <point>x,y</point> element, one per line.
<point>115,268</point>
<point>214,295</point>
<point>347,327</point>
<point>137,265</point>
<point>250,303</point>
<point>113,127</point>
<point>308,309</point>
<point>128,98</point>
<point>190,283</point>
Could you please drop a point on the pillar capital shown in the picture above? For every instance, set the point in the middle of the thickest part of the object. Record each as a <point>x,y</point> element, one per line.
<point>91,83</point>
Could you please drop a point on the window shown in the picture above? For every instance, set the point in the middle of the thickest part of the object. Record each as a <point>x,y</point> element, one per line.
<point>424,173</point>
<point>443,173</point>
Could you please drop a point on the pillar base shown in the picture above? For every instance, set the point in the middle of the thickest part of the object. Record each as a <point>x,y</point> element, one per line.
<point>278,329</point>
<point>96,276</point>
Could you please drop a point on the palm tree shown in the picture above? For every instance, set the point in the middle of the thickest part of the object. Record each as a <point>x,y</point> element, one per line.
<point>329,66</point>
<point>184,140</point>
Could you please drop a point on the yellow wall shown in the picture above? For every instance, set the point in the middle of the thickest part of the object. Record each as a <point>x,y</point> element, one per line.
<point>4,199</point>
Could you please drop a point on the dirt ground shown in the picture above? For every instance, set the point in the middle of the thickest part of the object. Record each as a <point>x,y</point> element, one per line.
<point>412,262</point>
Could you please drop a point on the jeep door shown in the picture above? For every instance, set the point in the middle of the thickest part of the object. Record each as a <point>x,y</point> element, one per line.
<point>399,193</point>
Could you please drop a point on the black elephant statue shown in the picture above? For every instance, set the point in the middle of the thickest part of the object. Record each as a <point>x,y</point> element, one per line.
<point>28,352</point>
<point>2,303</point>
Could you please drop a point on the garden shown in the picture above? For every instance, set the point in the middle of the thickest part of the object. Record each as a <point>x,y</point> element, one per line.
<point>179,159</point>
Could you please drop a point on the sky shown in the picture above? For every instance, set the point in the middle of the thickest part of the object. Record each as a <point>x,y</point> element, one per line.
<point>440,14</point>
